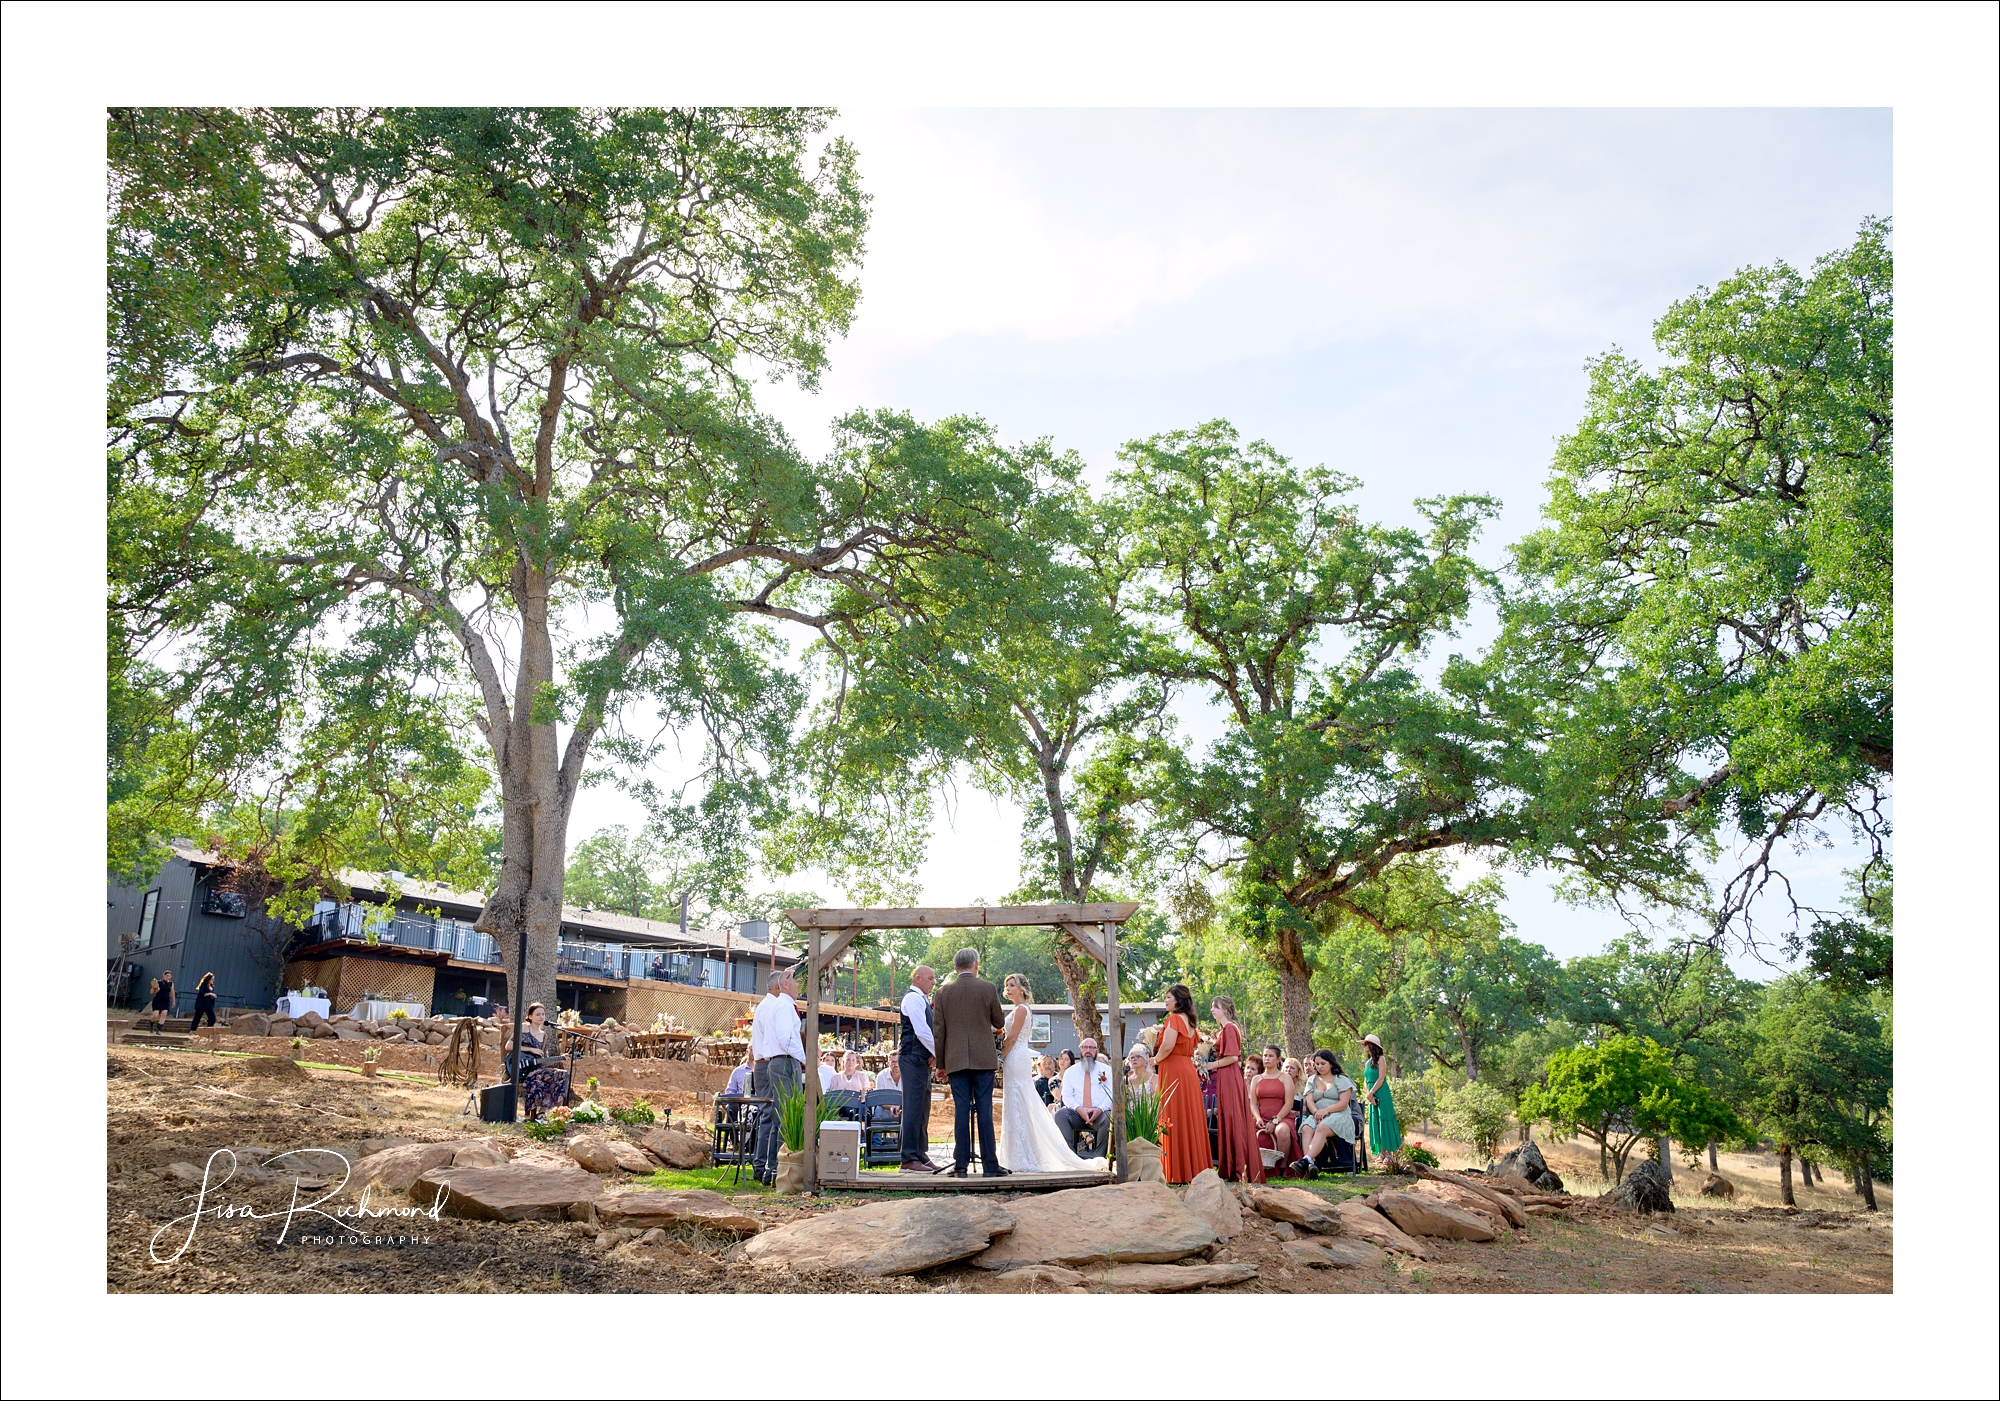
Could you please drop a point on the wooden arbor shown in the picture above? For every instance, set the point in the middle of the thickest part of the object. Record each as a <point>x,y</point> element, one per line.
<point>829,932</point>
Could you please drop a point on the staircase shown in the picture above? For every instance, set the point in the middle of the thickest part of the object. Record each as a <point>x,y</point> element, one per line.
<point>138,1031</point>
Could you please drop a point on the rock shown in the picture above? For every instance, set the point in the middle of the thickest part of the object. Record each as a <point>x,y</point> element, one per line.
<point>1527,1162</point>
<point>1210,1198</point>
<point>630,1156</point>
<point>1478,1196</point>
<point>281,1028</point>
<point>512,1193</point>
<point>393,1038</point>
<point>397,1169</point>
<point>341,1018</point>
<point>677,1149</point>
<point>478,1153</point>
<point>585,1213</point>
<point>1039,1279</point>
<point>888,1238</point>
<point>1134,1222</point>
<point>650,1207</point>
<point>593,1153</point>
<point>1283,1230</point>
<point>349,1034</point>
<point>656,1236</point>
<point>1645,1189</point>
<point>1317,1252</point>
<point>1296,1205</point>
<point>435,1038</point>
<point>325,1031</point>
<point>1166,1279</point>
<point>249,1024</point>
<point>1364,1222</point>
<point>1420,1215</point>
<point>1465,1199</point>
<point>1718,1186</point>
<point>311,1019</point>
<point>370,1146</point>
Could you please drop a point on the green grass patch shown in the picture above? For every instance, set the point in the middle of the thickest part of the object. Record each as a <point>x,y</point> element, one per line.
<point>714,1179</point>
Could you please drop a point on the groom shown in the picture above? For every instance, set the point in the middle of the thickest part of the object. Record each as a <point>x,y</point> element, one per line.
<point>968,1014</point>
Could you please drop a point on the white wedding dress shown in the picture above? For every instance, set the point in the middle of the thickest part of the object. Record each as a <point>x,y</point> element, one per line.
<point>1029,1138</point>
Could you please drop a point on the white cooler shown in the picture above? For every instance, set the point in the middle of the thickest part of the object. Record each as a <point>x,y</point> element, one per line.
<point>839,1151</point>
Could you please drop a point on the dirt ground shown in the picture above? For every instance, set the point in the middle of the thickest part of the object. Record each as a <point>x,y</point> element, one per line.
<point>167,1106</point>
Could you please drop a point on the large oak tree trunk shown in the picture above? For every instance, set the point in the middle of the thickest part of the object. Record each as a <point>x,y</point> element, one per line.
<point>1711,1157</point>
<point>1785,1174</point>
<point>1865,1180</point>
<point>1295,994</point>
<point>1077,980</point>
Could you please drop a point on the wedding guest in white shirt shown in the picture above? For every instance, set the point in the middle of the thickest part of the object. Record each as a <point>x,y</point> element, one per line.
<point>778,1055</point>
<point>917,1050</point>
<point>890,1077</point>
<point>1087,1098</point>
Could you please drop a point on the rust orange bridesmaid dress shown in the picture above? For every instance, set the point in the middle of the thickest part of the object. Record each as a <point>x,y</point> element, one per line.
<point>1183,1120</point>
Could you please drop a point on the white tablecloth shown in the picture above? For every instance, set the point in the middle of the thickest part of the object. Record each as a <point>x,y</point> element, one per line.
<point>292,1007</point>
<point>379,1011</point>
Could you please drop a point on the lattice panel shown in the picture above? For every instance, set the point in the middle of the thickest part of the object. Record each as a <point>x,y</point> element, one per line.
<point>345,979</point>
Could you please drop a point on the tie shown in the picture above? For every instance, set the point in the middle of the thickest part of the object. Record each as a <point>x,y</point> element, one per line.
<point>1088,1066</point>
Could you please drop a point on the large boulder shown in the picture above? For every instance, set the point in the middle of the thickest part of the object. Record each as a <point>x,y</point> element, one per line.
<point>1038,1279</point>
<point>1214,1201</point>
<point>1364,1222</point>
<point>397,1169</point>
<point>1645,1189</point>
<point>1131,1223</point>
<point>1527,1162</point>
<point>478,1153</point>
<point>382,1145</point>
<point>1166,1279</point>
<point>593,1153</point>
<point>325,1031</point>
<point>1464,1198</point>
<point>348,1033</point>
<point>1317,1252</point>
<point>310,1019</point>
<point>1296,1205</point>
<point>1418,1215</point>
<point>676,1149</point>
<point>282,1028</point>
<point>630,1156</point>
<point>1719,1186</point>
<point>885,1238</point>
<point>249,1024</point>
<point>516,1192</point>
<point>647,1208</point>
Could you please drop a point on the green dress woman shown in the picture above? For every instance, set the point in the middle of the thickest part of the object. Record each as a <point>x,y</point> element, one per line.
<point>1385,1135</point>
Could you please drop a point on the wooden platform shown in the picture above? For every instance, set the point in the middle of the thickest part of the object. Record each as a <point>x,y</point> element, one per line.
<point>939,1182</point>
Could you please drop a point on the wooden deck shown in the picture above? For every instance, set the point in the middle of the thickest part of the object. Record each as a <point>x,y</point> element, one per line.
<point>939,1182</point>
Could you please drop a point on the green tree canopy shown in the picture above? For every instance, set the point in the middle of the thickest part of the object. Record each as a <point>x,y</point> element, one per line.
<point>1823,1070</point>
<point>1624,1089</point>
<point>1707,621</point>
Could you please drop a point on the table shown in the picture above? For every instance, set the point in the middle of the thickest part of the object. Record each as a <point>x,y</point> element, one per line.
<point>659,1045</point>
<point>875,1060</point>
<point>291,1006</point>
<point>729,1053</point>
<point>378,1011</point>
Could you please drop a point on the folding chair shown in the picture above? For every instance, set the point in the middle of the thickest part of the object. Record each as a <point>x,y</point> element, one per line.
<point>736,1130</point>
<point>882,1128</point>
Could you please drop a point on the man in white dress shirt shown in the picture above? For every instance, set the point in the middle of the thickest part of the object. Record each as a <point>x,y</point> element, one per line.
<point>779,1059</point>
<point>890,1076</point>
<point>1086,1093</point>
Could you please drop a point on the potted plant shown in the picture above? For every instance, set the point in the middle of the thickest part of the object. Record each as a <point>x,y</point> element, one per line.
<point>1142,1136</point>
<point>368,1058</point>
<point>791,1106</point>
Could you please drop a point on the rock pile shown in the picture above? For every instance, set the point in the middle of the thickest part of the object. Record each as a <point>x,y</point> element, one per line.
<point>1645,1189</point>
<point>1527,1163</point>
<point>391,1031</point>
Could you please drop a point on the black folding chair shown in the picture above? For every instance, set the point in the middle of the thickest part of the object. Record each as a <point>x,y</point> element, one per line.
<point>736,1130</point>
<point>845,1104</point>
<point>882,1128</point>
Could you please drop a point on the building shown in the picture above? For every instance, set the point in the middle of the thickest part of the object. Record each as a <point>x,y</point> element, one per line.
<point>1052,1030</point>
<point>191,919</point>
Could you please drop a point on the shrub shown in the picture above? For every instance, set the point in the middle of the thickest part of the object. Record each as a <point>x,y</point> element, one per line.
<point>1475,1112</point>
<point>641,1112</point>
<point>792,1115</point>
<point>1416,1155</point>
<point>1142,1116</point>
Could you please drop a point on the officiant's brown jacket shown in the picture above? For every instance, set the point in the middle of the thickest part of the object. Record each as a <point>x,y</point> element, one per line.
<point>967,1012</point>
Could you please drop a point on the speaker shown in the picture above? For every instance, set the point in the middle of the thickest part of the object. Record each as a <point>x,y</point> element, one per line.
<point>496,1103</point>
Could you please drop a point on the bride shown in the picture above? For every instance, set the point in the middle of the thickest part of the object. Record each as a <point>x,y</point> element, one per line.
<point>1029,1138</point>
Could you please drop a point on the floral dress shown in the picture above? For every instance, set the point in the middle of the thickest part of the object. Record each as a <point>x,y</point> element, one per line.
<point>543,1087</point>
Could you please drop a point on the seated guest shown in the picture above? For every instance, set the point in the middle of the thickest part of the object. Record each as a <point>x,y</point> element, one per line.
<point>827,1072</point>
<point>1271,1106</point>
<point>1329,1097</point>
<point>1139,1073</point>
<point>890,1077</point>
<point>1087,1094</point>
<point>851,1076</point>
<point>739,1078</point>
<point>1045,1070</point>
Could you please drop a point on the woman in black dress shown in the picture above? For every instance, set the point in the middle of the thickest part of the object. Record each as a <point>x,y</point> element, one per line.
<point>163,999</point>
<point>204,1001</point>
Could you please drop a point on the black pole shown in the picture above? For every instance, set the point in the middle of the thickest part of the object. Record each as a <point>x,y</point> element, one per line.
<point>520,1004</point>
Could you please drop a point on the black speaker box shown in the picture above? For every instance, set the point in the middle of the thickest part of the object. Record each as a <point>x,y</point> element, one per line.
<point>496,1104</point>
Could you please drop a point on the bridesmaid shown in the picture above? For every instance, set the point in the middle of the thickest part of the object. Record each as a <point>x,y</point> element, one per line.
<point>1235,1140</point>
<point>1385,1135</point>
<point>1183,1124</point>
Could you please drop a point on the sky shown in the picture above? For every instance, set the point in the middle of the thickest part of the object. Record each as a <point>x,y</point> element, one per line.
<point>1408,296</point>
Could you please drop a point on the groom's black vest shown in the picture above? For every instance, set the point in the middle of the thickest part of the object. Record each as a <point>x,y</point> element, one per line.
<point>912,1048</point>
